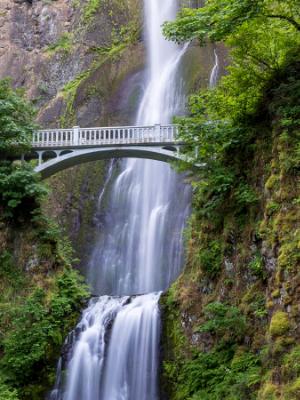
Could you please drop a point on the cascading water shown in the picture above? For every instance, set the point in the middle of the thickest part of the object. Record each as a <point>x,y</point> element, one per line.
<point>139,249</point>
<point>215,71</point>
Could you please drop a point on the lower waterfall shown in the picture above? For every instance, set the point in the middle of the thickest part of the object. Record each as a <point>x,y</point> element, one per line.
<point>113,352</point>
<point>127,368</point>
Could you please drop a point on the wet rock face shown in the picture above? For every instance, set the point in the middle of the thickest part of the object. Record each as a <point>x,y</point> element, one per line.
<point>46,44</point>
<point>27,28</point>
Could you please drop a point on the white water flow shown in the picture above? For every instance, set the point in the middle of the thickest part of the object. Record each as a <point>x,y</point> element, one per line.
<point>215,71</point>
<point>115,351</point>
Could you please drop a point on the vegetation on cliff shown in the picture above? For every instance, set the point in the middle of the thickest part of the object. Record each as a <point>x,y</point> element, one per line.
<point>40,294</point>
<point>232,319</point>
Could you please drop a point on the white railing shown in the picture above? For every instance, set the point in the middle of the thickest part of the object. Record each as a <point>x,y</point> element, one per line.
<point>77,136</point>
<point>191,3</point>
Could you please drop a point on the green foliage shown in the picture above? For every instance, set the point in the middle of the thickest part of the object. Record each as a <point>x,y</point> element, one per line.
<point>291,364</point>
<point>224,371</point>
<point>256,266</point>
<point>20,189</point>
<point>219,19</point>
<point>224,322</point>
<point>10,275</point>
<point>7,393</point>
<point>226,123</point>
<point>38,328</point>
<point>257,305</point>
<point>234,131</point>
<point>16,121</point>
<point>223,187</point>
<point>219,374</point>
<point>210,258</point>
<point>21,192</point>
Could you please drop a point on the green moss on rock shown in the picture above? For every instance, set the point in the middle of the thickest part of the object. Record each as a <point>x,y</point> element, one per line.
<point>279,324</point>
<point>269,391</point>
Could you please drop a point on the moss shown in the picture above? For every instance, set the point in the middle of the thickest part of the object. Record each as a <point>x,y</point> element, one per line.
<point>273,182</point>
<point>291,364</point>
<point>270,304</point>
<point>287,300</point>
<point>90,9</point>
<point>289,254</point>
<point>280,324</point>
<point>174,346</point>
<point>72,199</point>
<point>280,345</point>
<point>269,391</point>
<point>69,92</point>
<point>272,207</point>
<point>64,44</point>
<point>276,293</point>
<point>292,391</point>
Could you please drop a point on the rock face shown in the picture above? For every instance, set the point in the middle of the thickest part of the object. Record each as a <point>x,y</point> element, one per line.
<point>55,48</point>
<point>27,28</point>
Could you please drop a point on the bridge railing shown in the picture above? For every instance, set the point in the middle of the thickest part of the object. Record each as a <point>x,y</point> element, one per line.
<point>77,136</point>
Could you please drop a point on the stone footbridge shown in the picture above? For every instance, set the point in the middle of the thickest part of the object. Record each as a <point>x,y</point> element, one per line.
<point>58,149</point>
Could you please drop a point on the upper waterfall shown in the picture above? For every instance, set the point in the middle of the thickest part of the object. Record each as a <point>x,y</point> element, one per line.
<point>139,248</point>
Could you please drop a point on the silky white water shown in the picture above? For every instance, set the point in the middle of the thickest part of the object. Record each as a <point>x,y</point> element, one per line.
<point>213,79</point>
<point>138,251</point>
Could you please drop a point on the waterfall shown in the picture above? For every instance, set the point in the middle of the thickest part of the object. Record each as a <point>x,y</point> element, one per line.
<point>138,251</point>
<point>215,71</point>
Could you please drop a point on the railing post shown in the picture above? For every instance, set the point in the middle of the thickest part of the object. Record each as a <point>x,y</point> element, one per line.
<point>175,132</point>
<point>157,131</point>
<point>76,135</point>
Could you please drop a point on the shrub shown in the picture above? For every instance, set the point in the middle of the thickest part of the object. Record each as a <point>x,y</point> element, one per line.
<point>210,258</point>
<point>256,266</point>
<point>223,321</point>
<point>7,393</point>
<point>38,328</point>
<point>219,374</point>
<point>21,191</point>
<point>291,364</point>
<point>16,121</point>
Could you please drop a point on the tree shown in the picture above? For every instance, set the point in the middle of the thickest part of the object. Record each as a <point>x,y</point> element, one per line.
<point>263,41</point>
<point>21,192</point>
<point>219,19</point>
<point>16,121</point>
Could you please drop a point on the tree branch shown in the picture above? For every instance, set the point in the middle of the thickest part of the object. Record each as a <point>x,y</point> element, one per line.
<point>285,18</point>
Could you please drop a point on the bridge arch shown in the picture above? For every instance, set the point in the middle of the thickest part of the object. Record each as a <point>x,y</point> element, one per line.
<point>80,156</point>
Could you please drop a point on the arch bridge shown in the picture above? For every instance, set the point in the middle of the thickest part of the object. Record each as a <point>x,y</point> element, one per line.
<point>58,149</point>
